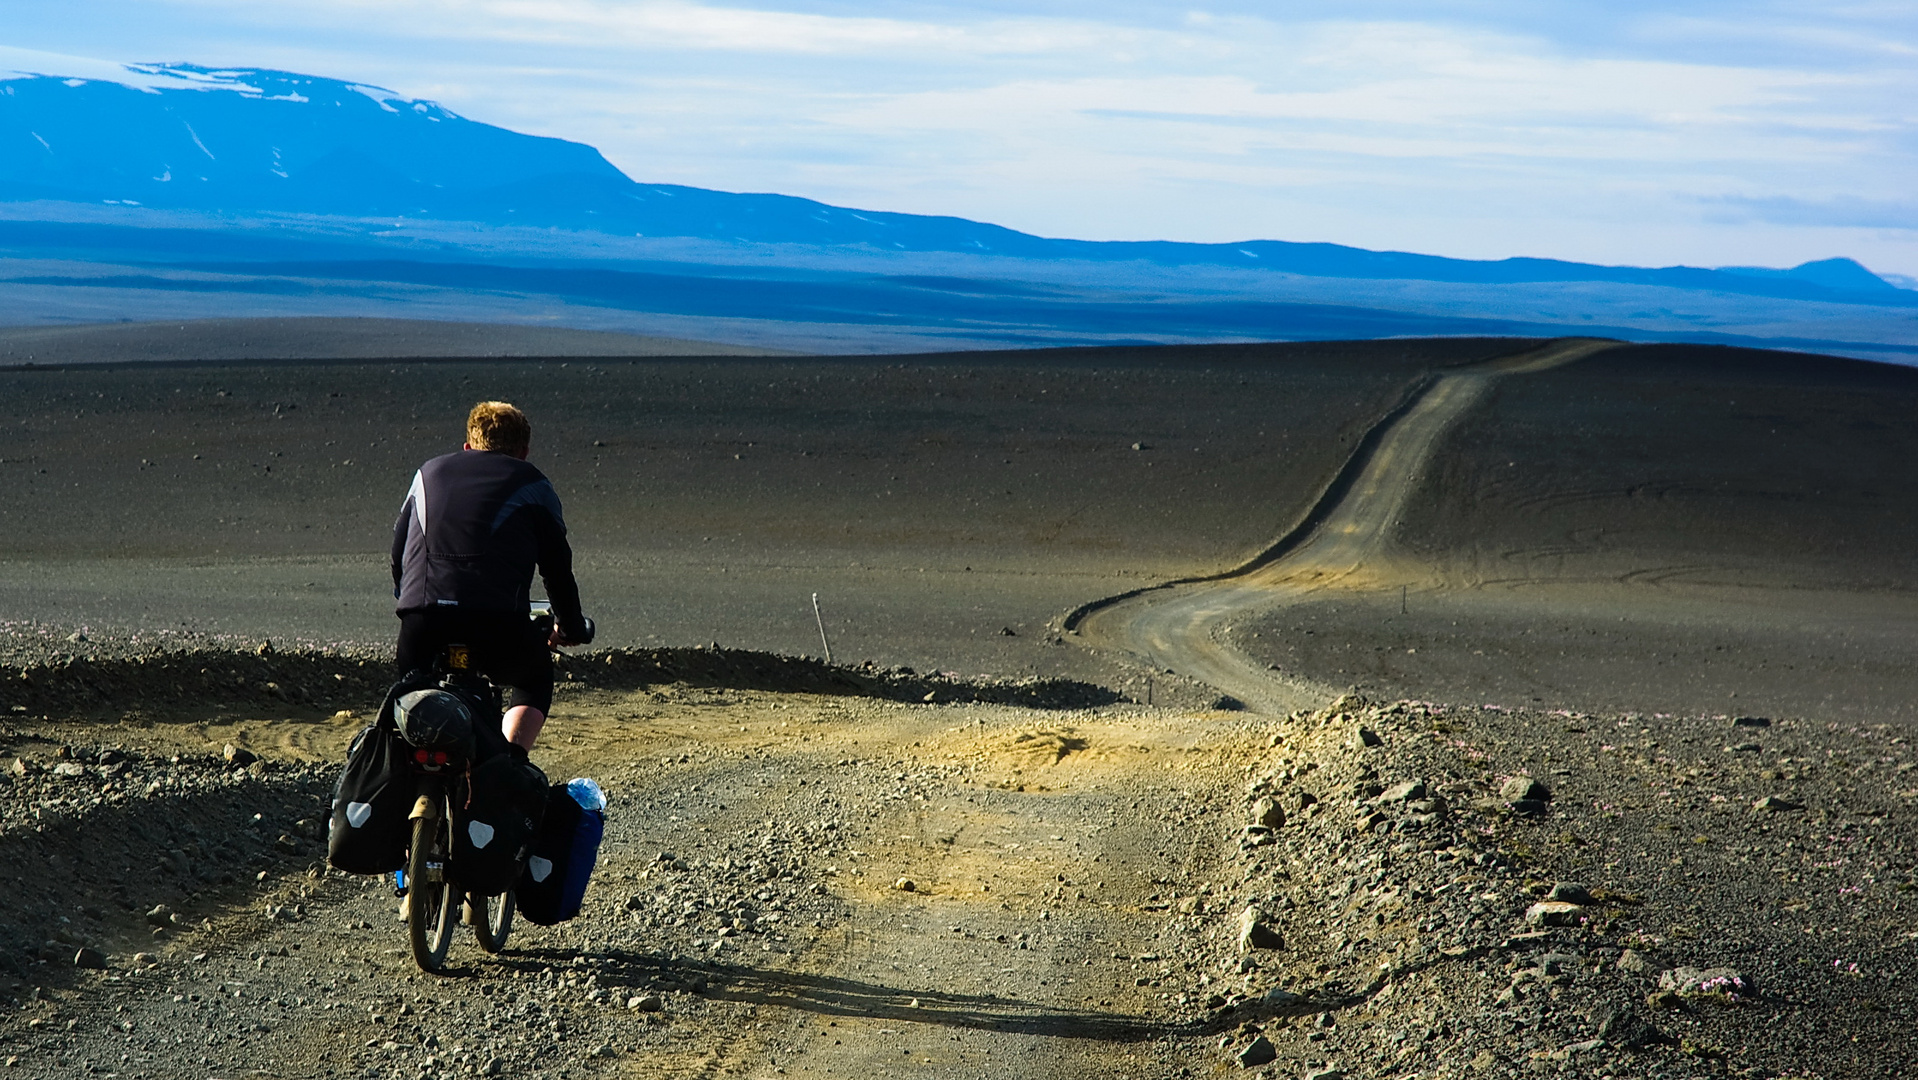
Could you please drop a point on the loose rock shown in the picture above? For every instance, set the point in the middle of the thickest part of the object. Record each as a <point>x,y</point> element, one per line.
<point>1255,934</point>
<point>1259,1051</point>
<point>1554,913</point>
<point>1279,996</point>
<point>1552,965</point>
<point>1524,789</point>
<point>1570,892</point>
<point>1268,813</point>
<point>1572,1050</point>
<point>1623,1028</point>
<point>1719,983</point>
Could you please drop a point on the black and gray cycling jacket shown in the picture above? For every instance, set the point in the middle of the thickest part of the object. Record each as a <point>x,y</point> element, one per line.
<point>474,525</point>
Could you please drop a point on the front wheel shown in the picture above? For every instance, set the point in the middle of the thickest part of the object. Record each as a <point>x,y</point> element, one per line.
<point>431,907</point>
<point>492,922</point>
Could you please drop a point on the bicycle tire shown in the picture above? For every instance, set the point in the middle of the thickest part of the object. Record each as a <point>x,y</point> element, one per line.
<point>495,920</point>
<point>431,909</point>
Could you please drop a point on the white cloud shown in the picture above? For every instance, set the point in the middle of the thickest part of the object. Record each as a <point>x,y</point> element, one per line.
<point>1393,92</point>
<point>1804,37</point>
<point>680,24</point>
<point>686,25</point>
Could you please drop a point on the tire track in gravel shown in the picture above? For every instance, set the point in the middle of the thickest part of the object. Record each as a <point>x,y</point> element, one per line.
<point>1342,543</point>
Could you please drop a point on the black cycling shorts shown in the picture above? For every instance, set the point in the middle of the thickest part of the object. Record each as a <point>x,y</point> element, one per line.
<point>506,649</point>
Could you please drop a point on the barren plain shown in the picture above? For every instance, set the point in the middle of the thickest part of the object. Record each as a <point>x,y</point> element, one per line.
<point>1436,773</point>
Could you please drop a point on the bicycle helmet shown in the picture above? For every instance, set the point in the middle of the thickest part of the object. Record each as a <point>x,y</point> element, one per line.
<point>435,720</point>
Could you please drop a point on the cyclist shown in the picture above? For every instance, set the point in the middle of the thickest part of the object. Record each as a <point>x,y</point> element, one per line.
<point>474,525</point>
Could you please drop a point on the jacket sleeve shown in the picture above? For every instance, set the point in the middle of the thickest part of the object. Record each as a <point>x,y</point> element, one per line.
<point>556,571</point>
<point>399,542</point>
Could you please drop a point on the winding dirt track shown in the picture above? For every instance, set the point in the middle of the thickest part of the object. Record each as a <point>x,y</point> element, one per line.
<point>1341,543</point>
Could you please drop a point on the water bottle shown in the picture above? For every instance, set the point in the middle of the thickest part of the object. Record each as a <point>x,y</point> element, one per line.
<point>586,793</point>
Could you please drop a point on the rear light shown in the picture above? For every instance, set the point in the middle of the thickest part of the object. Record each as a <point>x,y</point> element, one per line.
<point>431,758</point>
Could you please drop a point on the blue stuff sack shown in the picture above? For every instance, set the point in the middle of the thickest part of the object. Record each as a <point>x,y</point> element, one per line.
<point>554,883</point>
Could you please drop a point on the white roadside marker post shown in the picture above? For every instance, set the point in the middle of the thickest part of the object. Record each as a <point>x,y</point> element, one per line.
<point>827,645</point>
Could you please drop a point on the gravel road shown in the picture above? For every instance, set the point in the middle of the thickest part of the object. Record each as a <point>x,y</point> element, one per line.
<point>818,884</point>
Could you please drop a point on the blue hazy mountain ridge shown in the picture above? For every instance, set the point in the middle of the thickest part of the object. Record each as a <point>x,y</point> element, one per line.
<point>970,311</point>
<point>184,191</point>
<point>252,140</point>
<point>988,308</point>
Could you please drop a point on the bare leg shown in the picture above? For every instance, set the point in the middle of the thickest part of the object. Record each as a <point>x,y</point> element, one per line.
<point>522,724</point>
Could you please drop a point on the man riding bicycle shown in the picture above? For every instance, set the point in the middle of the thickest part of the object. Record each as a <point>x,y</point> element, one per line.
<point>475,524</point>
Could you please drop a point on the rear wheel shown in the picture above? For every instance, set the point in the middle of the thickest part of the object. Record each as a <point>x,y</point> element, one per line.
<point>492,922</point>
<point>432,910</point>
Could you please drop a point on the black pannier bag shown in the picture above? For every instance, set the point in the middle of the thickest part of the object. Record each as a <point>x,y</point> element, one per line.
<point>554,884</point>
<point>372,804</point>
<point>494,832</point>
<point>371,824</point>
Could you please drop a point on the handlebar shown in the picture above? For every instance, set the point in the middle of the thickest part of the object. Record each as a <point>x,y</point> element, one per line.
<point>541,614</point>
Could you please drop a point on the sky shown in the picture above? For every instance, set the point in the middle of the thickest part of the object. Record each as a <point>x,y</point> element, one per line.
<point>1724,132</point>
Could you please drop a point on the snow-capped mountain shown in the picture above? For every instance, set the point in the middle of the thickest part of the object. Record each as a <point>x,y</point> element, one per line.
<point>182,136</point>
